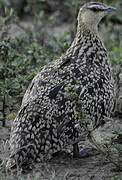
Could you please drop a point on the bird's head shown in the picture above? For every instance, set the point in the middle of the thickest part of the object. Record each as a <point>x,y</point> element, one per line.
<point>91,14</point>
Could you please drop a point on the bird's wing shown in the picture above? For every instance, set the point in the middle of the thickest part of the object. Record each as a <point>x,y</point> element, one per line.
<point>45,77</point>
<point>38,83</point>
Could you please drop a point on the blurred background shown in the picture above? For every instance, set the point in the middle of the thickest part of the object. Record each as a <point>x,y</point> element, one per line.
<point>35,32</point>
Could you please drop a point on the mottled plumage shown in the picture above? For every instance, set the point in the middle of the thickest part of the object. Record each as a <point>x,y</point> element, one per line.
<point>46,120</point>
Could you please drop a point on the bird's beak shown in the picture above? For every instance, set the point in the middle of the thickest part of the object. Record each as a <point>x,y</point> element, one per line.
<point>110,9</point>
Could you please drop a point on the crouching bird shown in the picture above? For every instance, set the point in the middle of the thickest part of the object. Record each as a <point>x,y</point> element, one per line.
<point>46,121</point>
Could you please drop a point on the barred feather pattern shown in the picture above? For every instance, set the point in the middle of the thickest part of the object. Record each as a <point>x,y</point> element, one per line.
<point>46,120</point>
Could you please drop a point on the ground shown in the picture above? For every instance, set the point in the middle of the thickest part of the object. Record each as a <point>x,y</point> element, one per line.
<point>63,166</point>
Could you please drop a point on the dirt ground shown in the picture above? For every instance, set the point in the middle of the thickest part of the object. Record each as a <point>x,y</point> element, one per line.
<point>63,166</point>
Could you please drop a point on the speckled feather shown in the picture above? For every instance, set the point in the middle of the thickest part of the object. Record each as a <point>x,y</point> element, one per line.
<point>46,120</point>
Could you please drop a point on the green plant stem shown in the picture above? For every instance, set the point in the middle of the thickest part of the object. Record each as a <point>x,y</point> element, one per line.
<point>3,111</point>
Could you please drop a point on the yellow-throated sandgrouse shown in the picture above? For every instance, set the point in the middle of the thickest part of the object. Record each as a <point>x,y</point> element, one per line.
<point>46,121</point>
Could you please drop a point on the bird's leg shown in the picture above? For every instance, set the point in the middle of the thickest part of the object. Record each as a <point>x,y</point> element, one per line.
<point>75,150</point>
<point>83,152</point>
<point>80,153</point>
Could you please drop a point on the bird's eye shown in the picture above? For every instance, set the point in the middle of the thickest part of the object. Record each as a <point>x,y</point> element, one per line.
<point>95,9</point>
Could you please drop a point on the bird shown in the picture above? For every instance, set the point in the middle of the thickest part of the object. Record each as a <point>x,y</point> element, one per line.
<point>46,121</point>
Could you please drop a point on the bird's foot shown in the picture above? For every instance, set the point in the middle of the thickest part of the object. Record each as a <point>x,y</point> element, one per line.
<point>83,152</point>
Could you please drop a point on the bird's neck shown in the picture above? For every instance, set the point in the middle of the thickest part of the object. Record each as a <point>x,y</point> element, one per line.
<point>86,41</point>
<point>86,28</point>
<point>86,33</point>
